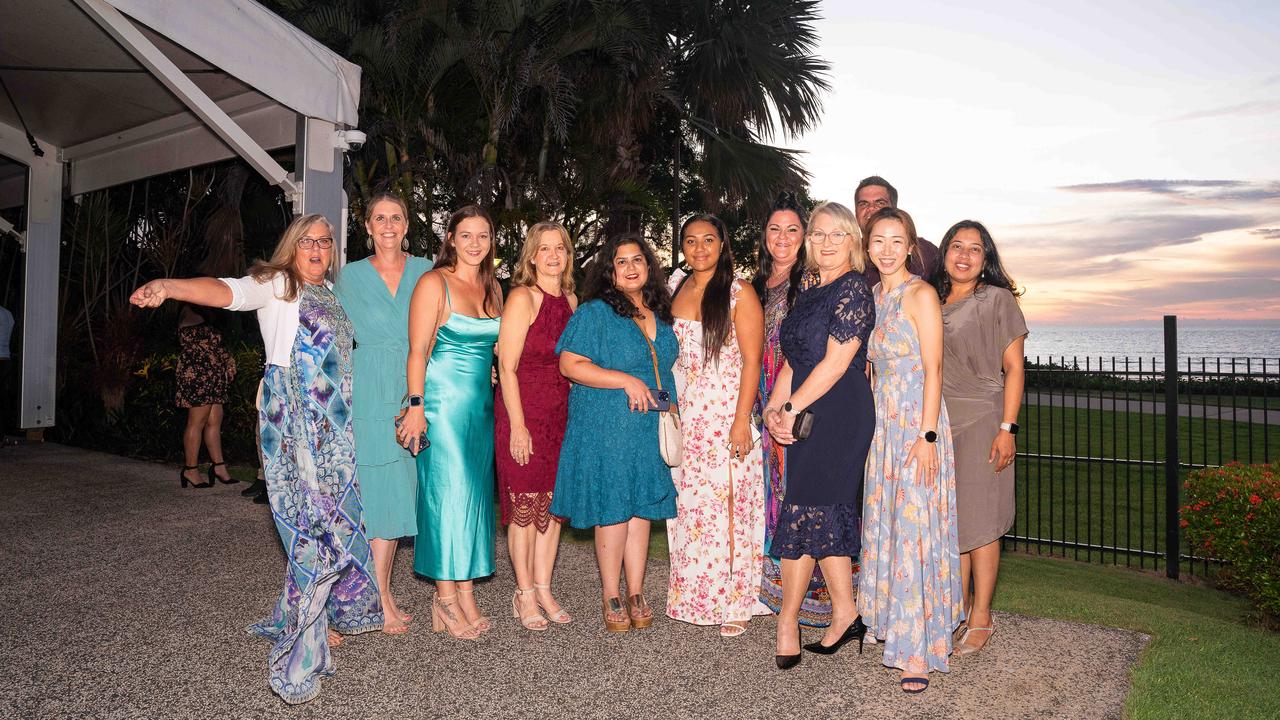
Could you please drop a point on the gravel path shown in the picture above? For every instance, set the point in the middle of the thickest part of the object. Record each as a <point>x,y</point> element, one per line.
<point>130,597</point>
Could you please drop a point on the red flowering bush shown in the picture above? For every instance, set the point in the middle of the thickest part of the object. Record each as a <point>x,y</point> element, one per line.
<point>1233,513</point>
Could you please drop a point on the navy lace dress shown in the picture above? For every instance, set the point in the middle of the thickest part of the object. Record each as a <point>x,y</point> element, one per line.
<point>821,512</point>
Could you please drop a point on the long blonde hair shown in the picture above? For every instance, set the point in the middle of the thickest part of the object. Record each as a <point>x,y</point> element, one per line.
<point>286,251</point>
<point>526,275</point>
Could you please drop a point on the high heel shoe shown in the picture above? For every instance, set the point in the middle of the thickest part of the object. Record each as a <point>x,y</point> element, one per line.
<point>213,476</point>
<point>638,609</point>
<point>182,476</point>
<point>481,624</point>
<point>786,662</point>
<point>857,629</point>
<point>559,617</point>
<point>530,622</point>
<point>963,649</point>
<point>614,605</point>
<point>444,617</point>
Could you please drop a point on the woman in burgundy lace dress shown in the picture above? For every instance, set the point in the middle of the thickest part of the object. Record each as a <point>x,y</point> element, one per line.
<point>532,414</point>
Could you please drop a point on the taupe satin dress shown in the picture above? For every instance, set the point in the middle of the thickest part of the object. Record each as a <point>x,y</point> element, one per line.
<point>976,332</point>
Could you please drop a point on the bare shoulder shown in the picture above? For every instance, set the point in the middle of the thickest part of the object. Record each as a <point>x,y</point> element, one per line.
<point>521,297</point>
<point>573,301</point>
<point>921,295</point>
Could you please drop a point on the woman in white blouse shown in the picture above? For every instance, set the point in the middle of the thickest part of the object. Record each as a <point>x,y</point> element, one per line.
<point>304,425</point>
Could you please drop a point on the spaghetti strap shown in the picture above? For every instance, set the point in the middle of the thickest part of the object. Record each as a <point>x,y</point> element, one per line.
<point>447,298</point>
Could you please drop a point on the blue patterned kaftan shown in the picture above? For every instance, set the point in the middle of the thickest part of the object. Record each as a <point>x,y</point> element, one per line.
<point>304,420</point>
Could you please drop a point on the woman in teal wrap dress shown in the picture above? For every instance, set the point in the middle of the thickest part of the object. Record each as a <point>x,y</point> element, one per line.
<point>453,326</point>
<point>611,474</point>
<point>375,294</point>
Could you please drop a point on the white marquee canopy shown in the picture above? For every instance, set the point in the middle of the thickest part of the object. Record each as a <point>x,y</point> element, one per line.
<point>104,92</point>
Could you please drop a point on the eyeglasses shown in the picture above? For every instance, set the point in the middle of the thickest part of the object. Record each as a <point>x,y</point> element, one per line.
<point>324,243</point>
<point>877,204</point>
<point>818,237</point>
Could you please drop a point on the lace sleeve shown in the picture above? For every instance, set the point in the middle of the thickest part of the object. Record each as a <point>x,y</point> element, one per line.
<point>854,315</point>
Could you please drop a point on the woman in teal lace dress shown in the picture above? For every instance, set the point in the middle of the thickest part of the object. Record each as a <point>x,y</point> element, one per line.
<point>909,589</point>
<point>453,326</point>
<point>375,294</point>
<point>611,474</point>
<point>304,419</point>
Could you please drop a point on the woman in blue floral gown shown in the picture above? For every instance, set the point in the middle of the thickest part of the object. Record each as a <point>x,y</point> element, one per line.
<point>909,589</point>
<point>304,417</point>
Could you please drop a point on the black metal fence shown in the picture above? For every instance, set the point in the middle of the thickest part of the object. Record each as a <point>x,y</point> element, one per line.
<point>1106,445</point>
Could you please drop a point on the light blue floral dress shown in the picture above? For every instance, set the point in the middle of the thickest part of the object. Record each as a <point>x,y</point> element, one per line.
<point>909,588</point>
<point>304,420</point>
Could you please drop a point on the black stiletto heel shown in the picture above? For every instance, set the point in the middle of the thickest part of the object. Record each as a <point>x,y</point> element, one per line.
<point>213,477</point>
<point>182,477</point>
<point>786,662</point>
<point>857,629</point>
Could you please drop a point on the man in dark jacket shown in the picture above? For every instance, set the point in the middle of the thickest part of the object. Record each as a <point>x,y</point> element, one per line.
<point>872,194</point>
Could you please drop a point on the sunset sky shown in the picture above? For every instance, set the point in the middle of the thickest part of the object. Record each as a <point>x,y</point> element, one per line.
<point>1126,156</point>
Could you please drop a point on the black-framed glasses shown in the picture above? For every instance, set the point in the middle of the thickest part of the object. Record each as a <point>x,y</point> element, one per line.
<point>324,243</point>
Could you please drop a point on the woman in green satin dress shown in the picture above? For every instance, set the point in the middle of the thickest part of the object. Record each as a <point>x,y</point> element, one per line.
<point>453,325</point>
<point>375,295</point>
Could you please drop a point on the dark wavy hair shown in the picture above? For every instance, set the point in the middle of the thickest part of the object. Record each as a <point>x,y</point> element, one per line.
<point>993,273</point>
<point>488,273</point>
<point>599,284</point>
<point>716,321</point>
<point>764,261</point>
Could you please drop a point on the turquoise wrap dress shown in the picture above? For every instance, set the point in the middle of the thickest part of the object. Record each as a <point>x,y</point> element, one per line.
<point>388,478</point>
<point>611,469</point>
<point>456,521</point>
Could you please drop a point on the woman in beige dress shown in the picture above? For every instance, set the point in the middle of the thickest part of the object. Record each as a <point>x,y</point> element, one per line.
<point>983,335</point>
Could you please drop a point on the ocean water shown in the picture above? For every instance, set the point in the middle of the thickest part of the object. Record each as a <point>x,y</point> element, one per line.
<point>1208,340</point>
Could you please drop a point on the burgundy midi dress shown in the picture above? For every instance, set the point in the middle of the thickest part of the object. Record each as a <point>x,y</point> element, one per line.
<point>525,491</point>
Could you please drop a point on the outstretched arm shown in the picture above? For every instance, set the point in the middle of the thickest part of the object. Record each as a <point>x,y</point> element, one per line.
<point>210,292</point>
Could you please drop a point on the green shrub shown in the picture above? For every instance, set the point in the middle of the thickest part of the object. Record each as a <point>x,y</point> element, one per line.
<point>1233,513</point>
<point>148,424</point>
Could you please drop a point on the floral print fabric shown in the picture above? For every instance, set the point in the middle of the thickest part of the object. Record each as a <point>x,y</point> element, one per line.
<point>909,590</point>
<point>716,540</point>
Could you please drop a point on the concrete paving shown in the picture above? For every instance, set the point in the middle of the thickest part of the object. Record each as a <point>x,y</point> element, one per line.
<point>128,598</point>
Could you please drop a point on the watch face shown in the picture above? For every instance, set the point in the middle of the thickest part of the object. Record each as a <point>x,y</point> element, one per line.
<point>786,407</point>
<point>931,436</point>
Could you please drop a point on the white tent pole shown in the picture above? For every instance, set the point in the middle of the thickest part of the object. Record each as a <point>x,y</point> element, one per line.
<point>145,52</point>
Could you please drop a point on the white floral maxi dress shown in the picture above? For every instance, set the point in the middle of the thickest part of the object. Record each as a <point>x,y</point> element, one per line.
<point>716,540</point>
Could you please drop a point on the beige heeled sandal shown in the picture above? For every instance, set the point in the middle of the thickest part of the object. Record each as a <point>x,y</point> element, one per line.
<point>444,617</point>
<point>530,622</point>
<point>559,617</point>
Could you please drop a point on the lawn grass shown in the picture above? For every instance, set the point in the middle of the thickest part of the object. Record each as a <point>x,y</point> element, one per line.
<point>1206,659</point>
<point>1097,501</point>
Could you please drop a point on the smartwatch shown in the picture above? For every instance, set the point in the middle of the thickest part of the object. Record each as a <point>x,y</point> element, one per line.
<point>415,401</point>
<point>1011,428</point>
<point>929,436</point>
<point>786,407</point>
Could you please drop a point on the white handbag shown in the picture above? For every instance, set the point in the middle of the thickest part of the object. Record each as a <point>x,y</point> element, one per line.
<point>670,439</point>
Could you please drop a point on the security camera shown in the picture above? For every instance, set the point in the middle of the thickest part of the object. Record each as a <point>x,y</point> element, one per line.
<point>351,139</point>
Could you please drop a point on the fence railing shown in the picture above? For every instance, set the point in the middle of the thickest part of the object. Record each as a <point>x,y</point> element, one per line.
<point>1107,442</point>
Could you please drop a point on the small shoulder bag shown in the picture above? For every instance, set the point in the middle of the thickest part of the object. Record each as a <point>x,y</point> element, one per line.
<point>670,440</point>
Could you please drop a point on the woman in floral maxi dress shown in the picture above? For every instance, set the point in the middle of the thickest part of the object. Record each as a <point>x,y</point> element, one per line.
<point>909,589</point>
<point>717,538</point>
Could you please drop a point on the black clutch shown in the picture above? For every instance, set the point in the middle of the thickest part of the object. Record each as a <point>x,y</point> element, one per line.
<point>803,425</point>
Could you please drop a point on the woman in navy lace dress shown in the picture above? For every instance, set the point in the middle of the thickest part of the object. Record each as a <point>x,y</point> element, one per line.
<point>824,340</point>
